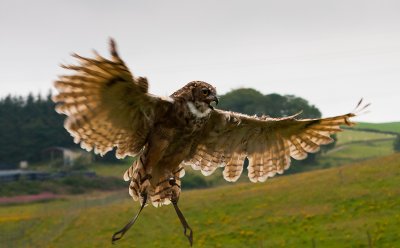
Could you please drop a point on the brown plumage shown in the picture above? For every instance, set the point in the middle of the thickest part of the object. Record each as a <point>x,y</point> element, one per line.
<point>107,108</point>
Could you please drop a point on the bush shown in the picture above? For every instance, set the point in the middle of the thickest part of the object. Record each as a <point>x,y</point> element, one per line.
<point>192,180</point>
<point>396,144</point>
<point>77,184</point>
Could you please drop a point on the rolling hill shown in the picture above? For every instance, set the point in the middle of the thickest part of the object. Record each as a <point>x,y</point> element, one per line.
<point>385,127</point>
<point>348,206</point>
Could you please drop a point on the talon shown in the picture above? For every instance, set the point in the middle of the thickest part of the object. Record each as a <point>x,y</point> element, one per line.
<point>190,236</point>
<point>184,223</point>
<point>172,182</point>
<point>115,238</point>
<point>118,235</point>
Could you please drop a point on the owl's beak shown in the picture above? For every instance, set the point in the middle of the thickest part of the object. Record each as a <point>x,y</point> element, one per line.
<point>214,98</point>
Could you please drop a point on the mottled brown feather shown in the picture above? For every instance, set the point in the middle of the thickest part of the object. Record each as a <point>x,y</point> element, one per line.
<point>267,142</point>
<point>107,106</point>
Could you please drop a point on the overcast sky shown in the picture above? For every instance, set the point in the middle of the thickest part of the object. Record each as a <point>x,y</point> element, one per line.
<point>331,53</point>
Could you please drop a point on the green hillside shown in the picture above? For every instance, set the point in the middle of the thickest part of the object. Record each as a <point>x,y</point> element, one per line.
<point>388,126</point>
<point>347,206</point>
<point>353,136</point>
<point>354,146</point>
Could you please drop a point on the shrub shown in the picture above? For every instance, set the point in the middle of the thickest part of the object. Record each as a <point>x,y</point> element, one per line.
<point>396,144</point>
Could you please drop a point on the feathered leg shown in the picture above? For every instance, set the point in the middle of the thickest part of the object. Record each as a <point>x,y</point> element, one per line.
<point>118,235</point>
<point>186,227</point>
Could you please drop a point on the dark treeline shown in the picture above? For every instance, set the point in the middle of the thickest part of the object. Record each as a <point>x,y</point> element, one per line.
<point>28,125</point>
<point>251,101</point>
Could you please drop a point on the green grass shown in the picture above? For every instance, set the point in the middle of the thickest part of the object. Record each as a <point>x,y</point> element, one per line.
<point>388,126</point>
<point>112,170</point>
<point>356,152</point>
<point>72,184</point>
<point>335,207</point>
<point>349,136</point>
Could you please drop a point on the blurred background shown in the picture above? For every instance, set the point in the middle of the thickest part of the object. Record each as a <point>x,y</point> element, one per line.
<point>264,57</point>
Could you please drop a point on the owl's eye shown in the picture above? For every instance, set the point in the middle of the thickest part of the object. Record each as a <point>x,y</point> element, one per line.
<point>205,91</point>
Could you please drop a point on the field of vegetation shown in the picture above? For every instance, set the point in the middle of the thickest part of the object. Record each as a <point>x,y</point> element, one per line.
<point>353,146</point>
<point>348,206</point>
<point>388,126</point>
<point>353,202</point>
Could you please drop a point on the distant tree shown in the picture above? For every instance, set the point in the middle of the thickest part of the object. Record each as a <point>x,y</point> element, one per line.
<point>27,126</point>
<point>250,101</point>
<point>396,144</point>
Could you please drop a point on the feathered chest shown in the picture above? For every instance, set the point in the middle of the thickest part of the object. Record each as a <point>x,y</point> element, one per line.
<point>187,117</point>
<point>198,114</point>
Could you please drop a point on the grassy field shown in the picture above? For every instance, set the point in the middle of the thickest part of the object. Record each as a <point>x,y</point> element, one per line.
<point>344,206</point>
<point>356,152</point>
<point>388,126</point>
<point>347,206</point>
<point>351,136</point>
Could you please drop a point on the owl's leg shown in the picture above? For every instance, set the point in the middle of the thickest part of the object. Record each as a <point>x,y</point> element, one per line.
<point>118,235</point>
<point>186,227</point>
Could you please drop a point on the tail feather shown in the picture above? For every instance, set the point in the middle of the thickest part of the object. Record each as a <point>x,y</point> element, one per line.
<point>138,183</point>
<point>167,186</point>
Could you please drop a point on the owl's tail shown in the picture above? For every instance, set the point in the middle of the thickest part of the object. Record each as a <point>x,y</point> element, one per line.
<point>139,180</point>
<point>159,190</point>
<point>167,188</point>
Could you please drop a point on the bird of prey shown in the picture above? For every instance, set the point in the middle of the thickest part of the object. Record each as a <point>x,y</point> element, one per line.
<point>108,108</point>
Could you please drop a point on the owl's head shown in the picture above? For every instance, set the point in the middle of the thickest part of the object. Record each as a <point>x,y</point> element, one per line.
<point>198,96</point>
<point>203,92</point>
<point>198,92</point>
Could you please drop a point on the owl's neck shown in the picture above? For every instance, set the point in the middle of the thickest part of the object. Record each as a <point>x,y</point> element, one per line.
<point>199,109</point>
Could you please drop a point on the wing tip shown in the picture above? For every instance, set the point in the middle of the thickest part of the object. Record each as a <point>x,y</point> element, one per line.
<point>113,47</point>
<point>361,108</point>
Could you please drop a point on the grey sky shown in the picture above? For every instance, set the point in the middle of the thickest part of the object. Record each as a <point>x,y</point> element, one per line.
<point>332,53</point>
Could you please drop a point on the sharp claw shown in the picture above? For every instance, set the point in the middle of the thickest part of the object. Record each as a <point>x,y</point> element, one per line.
<point>183,222</point>
<point>118,235</point>
<point>115,238</point>
<point>190,236</point>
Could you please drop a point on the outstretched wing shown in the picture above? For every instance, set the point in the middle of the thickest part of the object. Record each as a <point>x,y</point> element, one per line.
<point>106,105</point>
<point>268,143</point>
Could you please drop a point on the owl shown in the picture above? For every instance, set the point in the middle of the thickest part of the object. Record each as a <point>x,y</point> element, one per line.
<point>108,108</point>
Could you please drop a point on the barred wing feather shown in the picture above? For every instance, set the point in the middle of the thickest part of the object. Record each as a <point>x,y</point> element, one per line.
<point>106,105</point>
<point>268,143</point>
